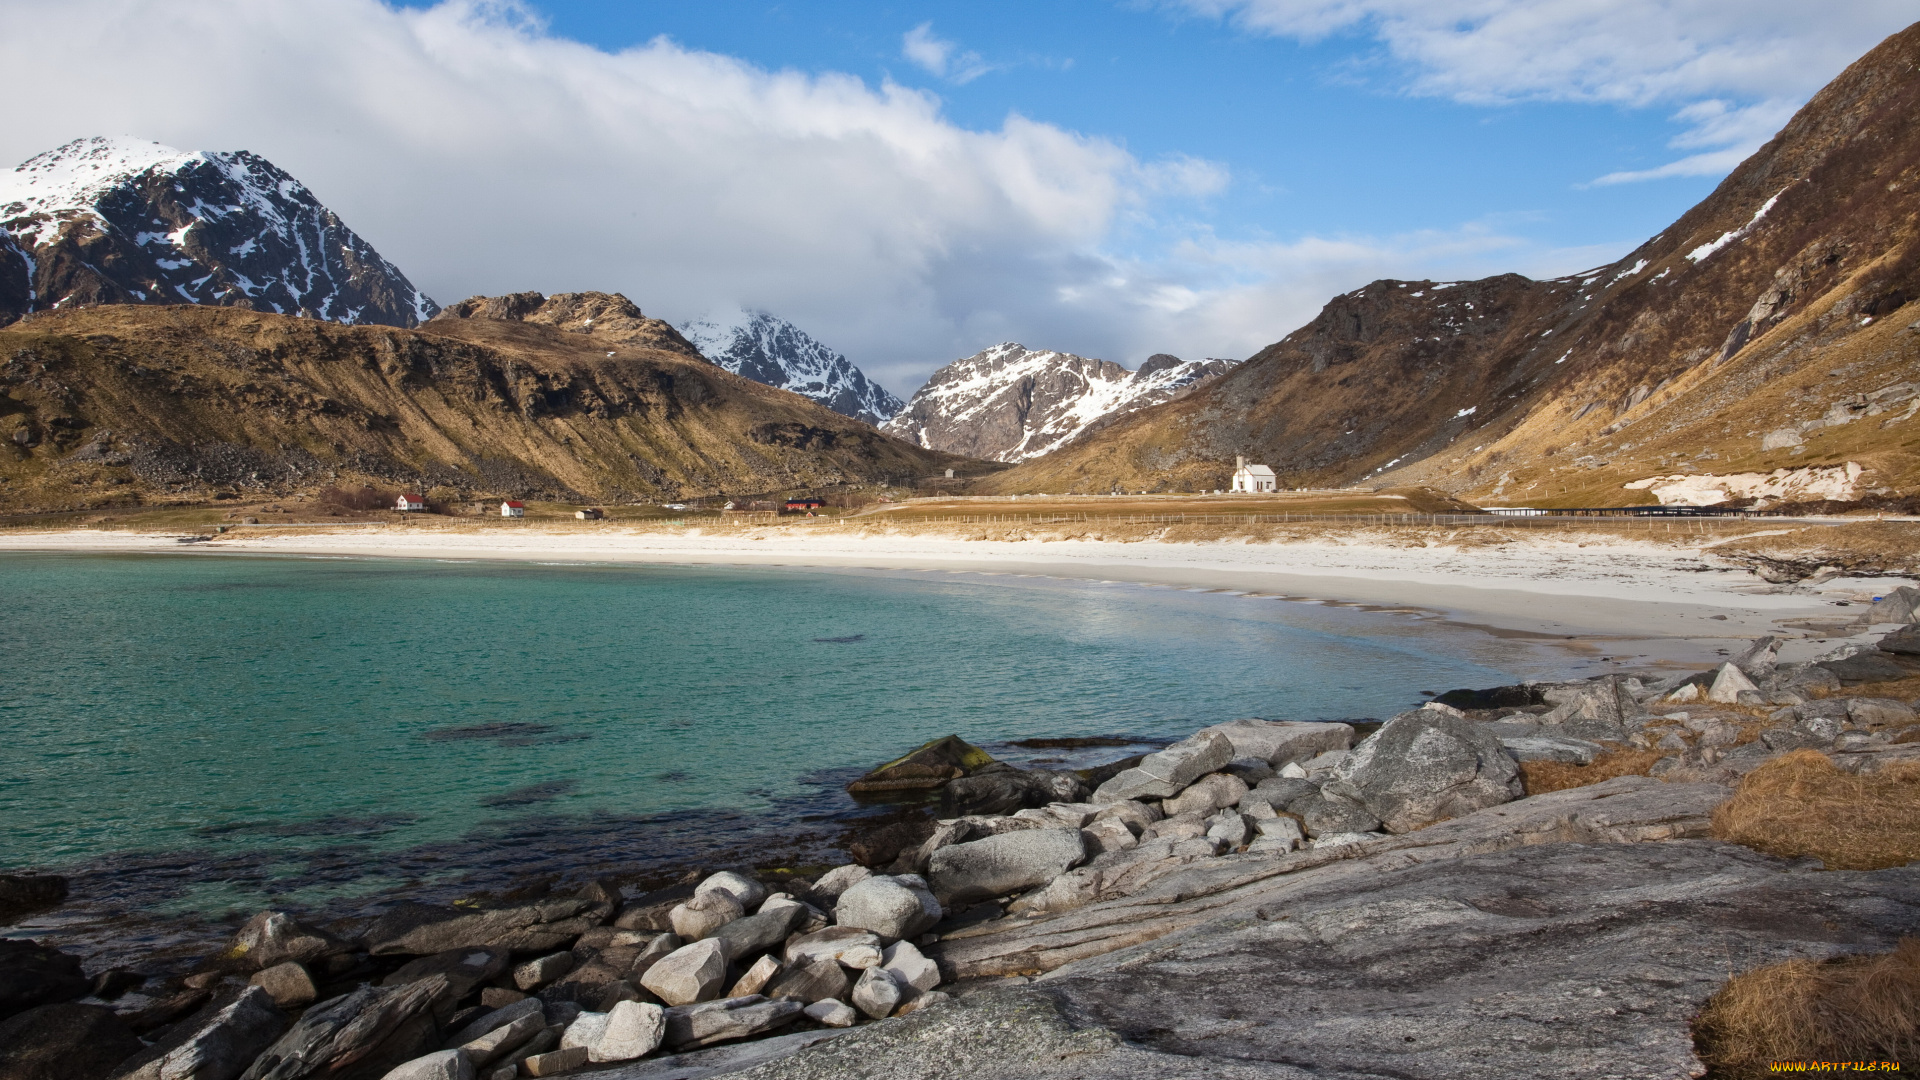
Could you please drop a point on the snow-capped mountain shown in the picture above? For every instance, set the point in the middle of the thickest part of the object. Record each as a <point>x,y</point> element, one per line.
<point>1010,403</point>
<point>774,351</point>
<point>125,221</point>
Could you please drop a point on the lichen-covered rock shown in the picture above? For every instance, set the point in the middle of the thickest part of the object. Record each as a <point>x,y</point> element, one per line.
<point>1424,766</point>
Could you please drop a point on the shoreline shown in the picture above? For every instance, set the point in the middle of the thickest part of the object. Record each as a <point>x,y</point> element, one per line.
<point>1656,606</point>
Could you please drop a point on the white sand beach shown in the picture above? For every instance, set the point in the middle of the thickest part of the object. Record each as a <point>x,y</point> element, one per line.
<point>1598,593</point>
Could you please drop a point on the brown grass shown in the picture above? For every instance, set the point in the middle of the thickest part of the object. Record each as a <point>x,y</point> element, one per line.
<point>1850,1008</point>
<point>1801,804</point>
<point>1541,777</point>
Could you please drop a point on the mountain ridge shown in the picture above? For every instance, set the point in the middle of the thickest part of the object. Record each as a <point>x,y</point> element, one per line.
<point>1703,352</point>
<point>771,350</point>
<point>1011,403</point>
<point>123,221</point>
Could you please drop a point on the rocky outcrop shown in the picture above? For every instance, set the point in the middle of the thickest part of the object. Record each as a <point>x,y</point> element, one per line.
<point>772,350</point>
<point>123,221</point>
<point>32,974</point>
<point>1011,403</point>
<point>609,318</point>
<point>63,1042</point>
<point>1425,766</point>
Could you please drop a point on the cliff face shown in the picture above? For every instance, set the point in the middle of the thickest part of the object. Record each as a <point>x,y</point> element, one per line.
<point>1012,403</point>
<point>1724,345</point>
<point>138,403</point>
<point>124,221</point>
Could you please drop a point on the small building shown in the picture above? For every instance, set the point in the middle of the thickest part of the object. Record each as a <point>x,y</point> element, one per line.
<point>591,513</point>
<point>409,503</point>
<point>1253,477</point>
<point>510,508</point>
<point>807,503</point>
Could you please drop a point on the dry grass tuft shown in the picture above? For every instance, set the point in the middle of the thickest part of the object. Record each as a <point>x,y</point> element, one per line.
<point>1801,804</point>
<point>1851,1008</point>
<point>1541,777</point>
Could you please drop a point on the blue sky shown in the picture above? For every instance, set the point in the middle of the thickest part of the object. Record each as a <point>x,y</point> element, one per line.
<point>911,183</point>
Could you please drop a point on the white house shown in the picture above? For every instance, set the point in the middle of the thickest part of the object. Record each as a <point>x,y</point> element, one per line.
<point>1252,477</point>
<point>409,502</point>
<point>510,508</point>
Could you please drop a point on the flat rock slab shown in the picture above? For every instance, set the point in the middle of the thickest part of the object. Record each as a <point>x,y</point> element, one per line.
<point>1556,960</point>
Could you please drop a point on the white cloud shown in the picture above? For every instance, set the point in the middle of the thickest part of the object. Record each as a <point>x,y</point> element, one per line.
<point>940,57</point>
<point>1707,54</point>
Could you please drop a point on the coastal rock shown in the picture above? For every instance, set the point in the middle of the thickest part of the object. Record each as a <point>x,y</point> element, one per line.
<point>758,933</point>
<point>1282,791</point>
<point>223,1046</point>
<point>440,1065</point>
<point>585,1030</point>
<point>1135,815</point>
<point>1422,767</point>
<point>1167,773</point>
<point>1278,742</point>
<point>1759,659</point>
<point>1002,789</point>
<point>1902,642</point>
<point>554,1062</point>
<point>1865,667</point>
<point>1227,830</point>
<point>704,914</point>
<point>922,1001</point>
<point>1879,712</point>
<point>929,766</point>
<point>735,1018</point>
<point>837,881</point>
<point>1278,834</point>
<point>1729,682</point>
<point>1902,605</point>
<point>832,1013</point>
<point>689,974</point>
<point>745,890</point>
<point>808,981</point>
<point>876,994</point>
<point>274,937</point>
<point>1552,748</point>
<point>756,978</point>
<point>633,1030</point>
<point>368,1032</point>
<point>998,865</point>
<point>909,967</point>
<point>32,974</point>
<point>498,1018</point>
<point>528,930</point>
<point>537,973</point>
<point>1596,709</point>
<point>849,945</point>
<point>1214,791</point>
<point>463,969</point>
<point>23,894</point>
<point>63,1042</point>
<point>502,1042</point>
<point>652,912</point>
<point>1108,834</point>
<point>892,907</point>
<point>288,984</point>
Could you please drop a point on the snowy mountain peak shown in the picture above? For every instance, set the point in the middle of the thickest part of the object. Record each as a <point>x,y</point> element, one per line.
<point>1011,403</point>
<point>771,350</point>
<point>122,220</point>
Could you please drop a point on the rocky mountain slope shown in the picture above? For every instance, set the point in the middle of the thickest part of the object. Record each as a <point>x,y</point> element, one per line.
<point>1768,329</point>
<point>774,351</point>
<point>1012,403</point>
<point>131,403</point>
<point>125,221</point>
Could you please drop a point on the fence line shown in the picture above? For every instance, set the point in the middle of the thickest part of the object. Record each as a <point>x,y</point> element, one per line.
<point>1505,521</point>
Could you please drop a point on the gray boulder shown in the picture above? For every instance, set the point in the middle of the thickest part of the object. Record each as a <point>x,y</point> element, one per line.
<point>910,967</point>
<point>832,1013</point>
<point>1167,773</point>
<point>1214,791</point>
<point>1000,788</point>
<point>1552,748</point>
<point>1903,642</point>
<point>742,888</point>
<point>689,1026</point>
<point>705,913</point>
<point>849,945</point>
<point>534,974</point>
<point>224,1045</point>
<point>808,981</point>
<point>1422,767</point>
<point>892,907</point>
<point>503,1042</point>
<point>998,865</point>
<point>1879,712</point>
<point>757,933</point>
<point>1282,791</point>
<point>1329,814</point>
<point>32,974</point>
<point>375,1027</point>
<point>838,880</point>
<point>876,994</point>
<point>633,1030</point>
<point>289,984</point>
<point>1278,742</point>
<point>464,970</point>
<point>440,1065</point>
<point>690,973</point>
<point>1902,605</point>
<point>274,937</point>
<point>529,930</point>
<point>496,1019</point>
<point>1596,709</point>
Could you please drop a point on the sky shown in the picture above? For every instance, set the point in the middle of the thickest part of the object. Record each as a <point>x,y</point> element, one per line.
<point>911,183</point>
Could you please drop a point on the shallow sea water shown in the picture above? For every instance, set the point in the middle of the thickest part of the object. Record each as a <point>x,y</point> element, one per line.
<point>196,734</point>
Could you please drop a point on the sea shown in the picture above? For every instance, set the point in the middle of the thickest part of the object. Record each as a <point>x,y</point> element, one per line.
<point>193,737</point>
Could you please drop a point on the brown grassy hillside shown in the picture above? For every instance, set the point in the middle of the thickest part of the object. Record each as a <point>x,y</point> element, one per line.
<point>120,404</point>
<point>1778,304</point>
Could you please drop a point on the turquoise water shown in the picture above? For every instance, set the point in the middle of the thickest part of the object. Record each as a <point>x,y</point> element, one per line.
<point>238,722</point>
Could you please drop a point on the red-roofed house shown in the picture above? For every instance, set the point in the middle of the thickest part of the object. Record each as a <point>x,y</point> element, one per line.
<point>510,508</point>
<point>410,502</point>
